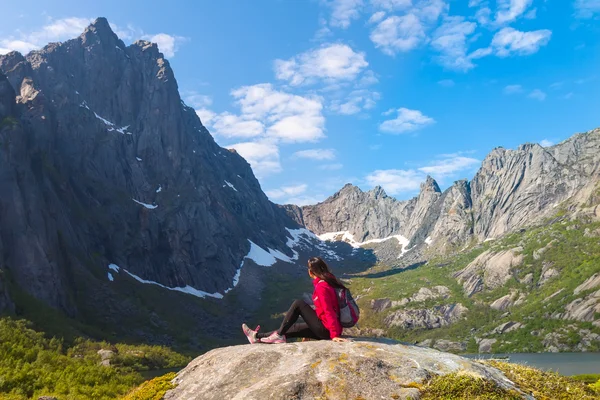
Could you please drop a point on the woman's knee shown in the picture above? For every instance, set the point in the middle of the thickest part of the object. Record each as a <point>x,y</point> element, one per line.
<point>298,303</point>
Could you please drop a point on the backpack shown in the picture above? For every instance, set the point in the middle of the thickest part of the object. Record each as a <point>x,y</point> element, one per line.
<point>349,311</point>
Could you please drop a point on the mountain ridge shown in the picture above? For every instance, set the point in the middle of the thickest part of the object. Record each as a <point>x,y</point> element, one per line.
<point>512,189</point>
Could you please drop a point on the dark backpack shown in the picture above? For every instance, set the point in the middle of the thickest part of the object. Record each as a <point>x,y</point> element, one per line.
<point>349,311</point>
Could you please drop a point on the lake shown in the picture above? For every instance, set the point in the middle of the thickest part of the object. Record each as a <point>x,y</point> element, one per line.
<point>563,363</point>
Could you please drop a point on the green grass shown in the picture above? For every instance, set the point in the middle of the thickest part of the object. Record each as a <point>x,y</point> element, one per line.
<point>153,389</point>
<point>546,385</point>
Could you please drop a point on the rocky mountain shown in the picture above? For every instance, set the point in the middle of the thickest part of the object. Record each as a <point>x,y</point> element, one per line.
<point>512,189</point>
<point>105,173</point>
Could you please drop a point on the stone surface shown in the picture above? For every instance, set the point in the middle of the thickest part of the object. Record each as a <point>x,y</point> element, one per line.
<point>447,345</point>
<point>508,327</point>
<point>429,318</point>
<point>485,345</point>
<point>489,270</point>
<point>591,283</point>
<point>583,309</point>
<point>320,369</point>
<point>547,273</point>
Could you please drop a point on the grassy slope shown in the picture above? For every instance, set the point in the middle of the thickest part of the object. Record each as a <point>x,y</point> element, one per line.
<point>575,255</point>
<point>33,365</point>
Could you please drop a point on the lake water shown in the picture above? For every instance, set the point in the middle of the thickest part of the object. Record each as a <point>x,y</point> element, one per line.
<point>563,363</point>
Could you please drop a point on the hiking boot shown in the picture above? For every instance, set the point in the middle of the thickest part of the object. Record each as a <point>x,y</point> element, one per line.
<point>274,338</point>
<point>251,334</point>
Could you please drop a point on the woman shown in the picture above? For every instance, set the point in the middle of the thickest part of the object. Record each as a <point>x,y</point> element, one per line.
<point>321,323</point>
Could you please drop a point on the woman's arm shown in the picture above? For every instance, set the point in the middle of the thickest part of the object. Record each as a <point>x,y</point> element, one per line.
<point>327,301</point>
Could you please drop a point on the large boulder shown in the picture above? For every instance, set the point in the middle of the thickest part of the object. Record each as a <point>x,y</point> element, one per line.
<point>427,318</point>
<point>489,270</point>
<point>309,370</point>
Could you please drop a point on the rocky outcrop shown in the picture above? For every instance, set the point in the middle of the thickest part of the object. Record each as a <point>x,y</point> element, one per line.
<point>548,273</point>
<point>423,294</point>
<point>489,270</point>
<point>426,318</point>
<point>591,283</point>
<point>323,369</point>
<point>583,309</point>
<point>485,345</point>
<point>507,327</point>
<point>447,345</point>
<point>101,162</point>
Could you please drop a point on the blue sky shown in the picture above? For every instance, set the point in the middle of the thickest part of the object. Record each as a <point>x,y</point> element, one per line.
<point>316,94</point>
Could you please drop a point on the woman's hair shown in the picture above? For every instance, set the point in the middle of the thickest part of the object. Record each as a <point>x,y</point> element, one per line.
<point>319,268</point>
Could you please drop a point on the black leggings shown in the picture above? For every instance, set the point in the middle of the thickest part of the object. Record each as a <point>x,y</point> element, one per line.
<point>312,327</point>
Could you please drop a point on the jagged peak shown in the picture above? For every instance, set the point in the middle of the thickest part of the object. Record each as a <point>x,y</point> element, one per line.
<point>378,192</point>
<point>100,31</point>
<point>430,185</point>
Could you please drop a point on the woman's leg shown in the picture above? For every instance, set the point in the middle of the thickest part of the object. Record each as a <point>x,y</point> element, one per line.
<point>311,328</point>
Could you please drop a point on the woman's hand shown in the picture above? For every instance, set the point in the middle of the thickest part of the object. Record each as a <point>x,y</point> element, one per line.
<point>340,339</point>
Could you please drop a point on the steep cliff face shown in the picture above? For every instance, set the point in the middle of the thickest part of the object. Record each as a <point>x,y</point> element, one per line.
<point>101,162</point>
<point>512,189</point>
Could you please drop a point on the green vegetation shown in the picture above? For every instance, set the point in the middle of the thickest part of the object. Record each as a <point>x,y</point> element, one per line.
<point>542,385</point>
<point>572,249</point>
<point>460,386</point>
<point>33,365</point>
<point>153,389</point>
<point>587,378</point>
<point>546,385</point>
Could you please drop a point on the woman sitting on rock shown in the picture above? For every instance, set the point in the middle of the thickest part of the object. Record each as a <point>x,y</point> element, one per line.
<point>321,323</point>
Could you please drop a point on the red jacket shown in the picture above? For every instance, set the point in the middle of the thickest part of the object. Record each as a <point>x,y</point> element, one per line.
<point>327,307</point>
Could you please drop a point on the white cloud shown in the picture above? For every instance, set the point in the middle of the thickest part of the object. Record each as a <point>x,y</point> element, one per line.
<point>262,156</point>
<point>236,126</point>
<point>509,41</point>
<point>510,10</point>
<point>283,191</point>
<point>546,143</point>
<point>446,83</point>
<point>450,40</point>
<point>355,102</point>
<point>58,30</point>
<point>406,121</point>
<point>316,154</point>
<point>196,100</point>
<point>483,15</point>
<point>283,116</point>
<point>392,4</point>
<point>587,8</point>
<point>55,31</point>
<point>531,14</point>
<point>378,16</point>
<point>537,94</point>
<point>395,181</point>
<point>398,34</point>
<point>331,167</point>
<point>331,62</point>
<point>474,3</point>
<point>343,12</point>
<point>512,89</point>
<point>449,166</point>
<point>167,44</point>
<point>206,116</point>
<point>306,200</point>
